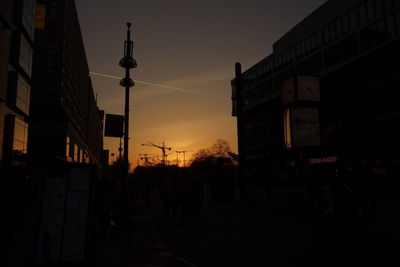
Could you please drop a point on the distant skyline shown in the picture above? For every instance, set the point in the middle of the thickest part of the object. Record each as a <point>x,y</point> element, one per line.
<point>186,51</point>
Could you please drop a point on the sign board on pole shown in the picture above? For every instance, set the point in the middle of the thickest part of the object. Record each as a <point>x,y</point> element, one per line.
<point>114,125</point>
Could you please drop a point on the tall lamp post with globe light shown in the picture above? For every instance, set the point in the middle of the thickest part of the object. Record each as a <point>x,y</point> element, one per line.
<point>127,62</point>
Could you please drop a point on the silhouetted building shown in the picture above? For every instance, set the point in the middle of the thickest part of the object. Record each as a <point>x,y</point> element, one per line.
<point>65,120</point>
<point>16,42</point>
<point>327,94</point>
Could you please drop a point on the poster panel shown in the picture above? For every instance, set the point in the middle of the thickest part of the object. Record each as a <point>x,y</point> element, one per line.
<point>305,123</point>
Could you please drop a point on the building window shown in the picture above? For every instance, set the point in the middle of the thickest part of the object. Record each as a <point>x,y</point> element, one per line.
<point>80,155</point>
<point>20,137</point>
<point>346,23</point>
<point>76,152</point>
<point>327,34</point>
<point>68,149</point>
<point>332,29</point>
<point>25,56</point>
<point>339,26</point>
<point>370,10</point>
<point>28,13</point>
<point>391,26</point>
<point>398,23</point>
<point>86,157</point>
<point>319,38</point>
<point>353,19</point>
<point>23,95</point>
<point>287,129</point>
<point>388,4</point>
<point>362,13</point>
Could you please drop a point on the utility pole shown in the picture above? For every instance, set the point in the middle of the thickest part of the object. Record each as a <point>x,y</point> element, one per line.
<point>163,148</point>
<point>127,62</point>
<point>184,160</point>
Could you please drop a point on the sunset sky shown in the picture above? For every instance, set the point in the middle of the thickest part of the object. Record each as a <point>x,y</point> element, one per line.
<point>186,51</point>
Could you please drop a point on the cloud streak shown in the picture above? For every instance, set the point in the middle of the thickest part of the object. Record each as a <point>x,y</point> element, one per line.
<point>159,85</point>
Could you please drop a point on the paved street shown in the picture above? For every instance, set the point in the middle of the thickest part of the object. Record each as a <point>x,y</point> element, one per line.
<point>236,234</point>
<point>229,235</point>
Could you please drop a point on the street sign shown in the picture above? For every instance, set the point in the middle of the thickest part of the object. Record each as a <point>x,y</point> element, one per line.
<point>114,125</point>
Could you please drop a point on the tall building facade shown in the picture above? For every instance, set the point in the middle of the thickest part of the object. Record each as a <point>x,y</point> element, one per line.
<point>16,53</point>
<point>65,120</point>
<point>327,94</point>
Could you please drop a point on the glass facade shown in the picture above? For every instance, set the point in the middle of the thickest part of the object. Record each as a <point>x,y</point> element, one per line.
<point>25,56</point>
<point>28,13</point>
<point>23,95</point>
<point>20,137</point>
<point>365,26</point>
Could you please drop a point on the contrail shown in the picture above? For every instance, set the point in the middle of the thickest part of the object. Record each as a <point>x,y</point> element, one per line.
<point>158,85</point>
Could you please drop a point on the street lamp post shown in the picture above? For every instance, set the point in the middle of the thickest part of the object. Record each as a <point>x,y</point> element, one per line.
<point>127,62</point>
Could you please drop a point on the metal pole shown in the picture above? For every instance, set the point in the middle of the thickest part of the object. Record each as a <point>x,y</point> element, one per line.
<point>126,135</point>
<point>127,62</point>
<point>120,151</point>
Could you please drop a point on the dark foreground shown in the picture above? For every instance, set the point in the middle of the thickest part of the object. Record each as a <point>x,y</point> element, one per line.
<point>243,234</point>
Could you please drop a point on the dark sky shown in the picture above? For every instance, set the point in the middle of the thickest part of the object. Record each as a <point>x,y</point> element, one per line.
<point>188,45</point>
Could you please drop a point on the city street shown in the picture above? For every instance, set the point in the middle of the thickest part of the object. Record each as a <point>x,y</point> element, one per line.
<point>230,234</point>
<point>238,234</point>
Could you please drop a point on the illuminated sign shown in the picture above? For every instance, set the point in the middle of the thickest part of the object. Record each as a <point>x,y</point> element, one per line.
<point>323,160</point>
<point>305,123</point>
<point>40,17</point>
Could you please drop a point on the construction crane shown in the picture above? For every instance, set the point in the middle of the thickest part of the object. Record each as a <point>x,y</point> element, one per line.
<point>163,149</point>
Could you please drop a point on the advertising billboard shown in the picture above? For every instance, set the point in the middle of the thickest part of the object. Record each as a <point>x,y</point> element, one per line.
<point>305,125</point>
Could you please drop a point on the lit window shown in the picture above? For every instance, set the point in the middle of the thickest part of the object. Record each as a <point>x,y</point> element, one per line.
<point>20,137</point>
<point>76,151</point>
<point>287,129</point>
<point>68,147</point>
